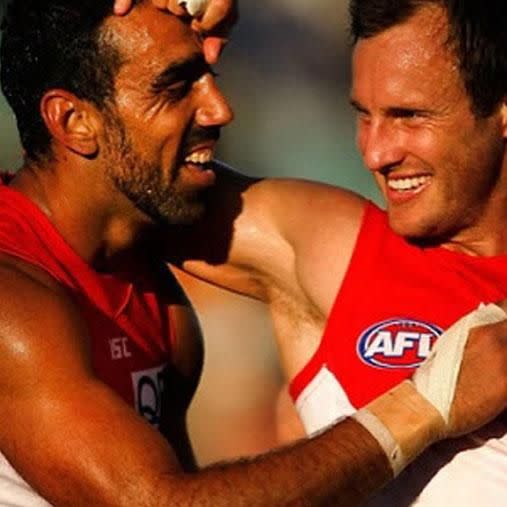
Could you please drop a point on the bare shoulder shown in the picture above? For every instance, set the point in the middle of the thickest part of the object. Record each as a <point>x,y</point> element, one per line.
<point>297,206</point>
<point>316,226</point>
<point>300,236</point>
<point>258,234</point>
<point>37,315</point>
<point>59,413</point>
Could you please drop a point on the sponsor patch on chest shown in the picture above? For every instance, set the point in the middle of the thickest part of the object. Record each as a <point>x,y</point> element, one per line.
<point>397,343</point>
<point>148,387</point>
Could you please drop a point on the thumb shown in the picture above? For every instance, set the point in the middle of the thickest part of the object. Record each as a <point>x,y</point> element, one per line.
<point>212,47</point>
<point>122,6</point>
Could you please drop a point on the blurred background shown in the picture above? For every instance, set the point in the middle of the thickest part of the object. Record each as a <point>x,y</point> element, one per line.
<point>286,72</point>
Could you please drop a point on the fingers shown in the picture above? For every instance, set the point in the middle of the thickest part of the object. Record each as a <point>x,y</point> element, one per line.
<point>121,7</point>
<point>171,5</point>
<point>215,24</point>
<point>212,47</point>
<point>482,385</point>
<point>217,13</point>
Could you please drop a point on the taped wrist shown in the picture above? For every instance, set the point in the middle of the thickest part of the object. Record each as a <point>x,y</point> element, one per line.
<point>415,414</point>
<point>403,422</point>
<point>437,377</point>
<point>194,7</point>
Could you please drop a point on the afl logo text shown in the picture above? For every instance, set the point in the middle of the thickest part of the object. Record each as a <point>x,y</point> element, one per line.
<point>397,343</point>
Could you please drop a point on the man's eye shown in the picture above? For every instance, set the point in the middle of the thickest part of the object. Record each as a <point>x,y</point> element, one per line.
<point>178,90</point>
<point>362,116</point>
<point>407,113</point>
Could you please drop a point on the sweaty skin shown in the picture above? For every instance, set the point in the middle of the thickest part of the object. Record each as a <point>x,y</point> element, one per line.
<point>441,169</point>
<point>73,439</point>
<point>214,24</point>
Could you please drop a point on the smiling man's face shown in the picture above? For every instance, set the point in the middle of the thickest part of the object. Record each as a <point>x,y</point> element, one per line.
<point>163,125</point>
<point>437,164</point>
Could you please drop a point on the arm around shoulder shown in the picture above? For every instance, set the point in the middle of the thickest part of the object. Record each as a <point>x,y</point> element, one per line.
<point>77,443</point>
<point>254,230</point>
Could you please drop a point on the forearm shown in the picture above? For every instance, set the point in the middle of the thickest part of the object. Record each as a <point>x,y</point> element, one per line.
<point>343,465</point>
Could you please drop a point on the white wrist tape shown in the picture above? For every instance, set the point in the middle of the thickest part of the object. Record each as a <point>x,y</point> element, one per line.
<point>194,7</point>
<point>403,422</point>
<point>384,437</point>
<point>436,378</point>
<point>414,414</point>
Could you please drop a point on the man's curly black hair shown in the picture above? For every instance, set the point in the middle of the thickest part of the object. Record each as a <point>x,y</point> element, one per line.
<point>49,44</point>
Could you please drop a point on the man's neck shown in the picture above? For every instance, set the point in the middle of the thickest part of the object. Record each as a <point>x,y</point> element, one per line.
<point>93,217</point>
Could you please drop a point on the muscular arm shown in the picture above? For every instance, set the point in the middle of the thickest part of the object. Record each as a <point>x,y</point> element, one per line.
<point>77,443</point>
<point>263,238</point>
<point>285,242</point>
<point>258,237</point>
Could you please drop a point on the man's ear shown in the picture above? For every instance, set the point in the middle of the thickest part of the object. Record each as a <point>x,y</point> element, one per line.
<point>503,112</point>
<point>71,121</point>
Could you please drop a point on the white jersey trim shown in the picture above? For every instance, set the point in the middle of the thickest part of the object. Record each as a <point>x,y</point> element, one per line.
<point>323,402</point>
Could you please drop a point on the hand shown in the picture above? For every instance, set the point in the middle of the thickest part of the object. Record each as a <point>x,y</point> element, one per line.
<point>481,392</point>
<point>215,23</point>
<point>460,387</point>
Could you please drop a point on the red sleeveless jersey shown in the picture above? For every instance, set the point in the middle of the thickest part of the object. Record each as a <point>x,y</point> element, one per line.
<point>128,322</point>
<point>395,300</point>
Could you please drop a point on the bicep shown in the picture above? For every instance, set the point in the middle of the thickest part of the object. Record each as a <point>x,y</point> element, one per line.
<point>322,238</point>
<point>257,235</point>
<point>297,237</point>
<point>68,434</point>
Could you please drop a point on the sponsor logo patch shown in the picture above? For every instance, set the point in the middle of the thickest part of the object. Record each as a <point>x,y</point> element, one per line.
<point>397,343</point>
<point>148,388</point>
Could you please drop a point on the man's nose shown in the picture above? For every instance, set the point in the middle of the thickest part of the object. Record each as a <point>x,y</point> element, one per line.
<point>214,109</point>
<point>380,143</point>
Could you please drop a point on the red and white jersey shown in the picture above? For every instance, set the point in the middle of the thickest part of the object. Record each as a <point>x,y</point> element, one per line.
<point>129,322</point>
<point>395,301</point>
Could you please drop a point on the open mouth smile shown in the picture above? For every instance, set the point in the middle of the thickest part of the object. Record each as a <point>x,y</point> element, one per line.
<point>407,184</point>
<point>403,189</point>
<point>198,168</point>
<point>200,158</point>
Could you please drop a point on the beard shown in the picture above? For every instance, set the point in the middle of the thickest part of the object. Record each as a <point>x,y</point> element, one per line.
<point>143,182</point>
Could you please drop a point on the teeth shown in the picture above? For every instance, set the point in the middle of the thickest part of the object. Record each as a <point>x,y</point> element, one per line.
<point>200,157</point>
<point>405,184</point>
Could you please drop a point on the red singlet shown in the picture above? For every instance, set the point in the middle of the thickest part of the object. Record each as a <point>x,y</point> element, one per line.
<point>395,301</point>
<point>129,324</point>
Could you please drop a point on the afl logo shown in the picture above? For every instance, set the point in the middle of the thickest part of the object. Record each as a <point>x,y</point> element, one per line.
<point>397,343</point>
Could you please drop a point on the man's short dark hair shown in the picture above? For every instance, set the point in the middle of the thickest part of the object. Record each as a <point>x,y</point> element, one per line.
<point>49,44</point>
<point>477,34</point>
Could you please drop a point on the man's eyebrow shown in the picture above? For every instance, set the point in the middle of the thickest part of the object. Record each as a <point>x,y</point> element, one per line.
<point>356,105</point>
<point>181,70</point>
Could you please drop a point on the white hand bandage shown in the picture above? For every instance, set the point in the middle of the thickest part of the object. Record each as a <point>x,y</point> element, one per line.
<point>414,414</point>
<point>194,7</point>
<point>436,378</point>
